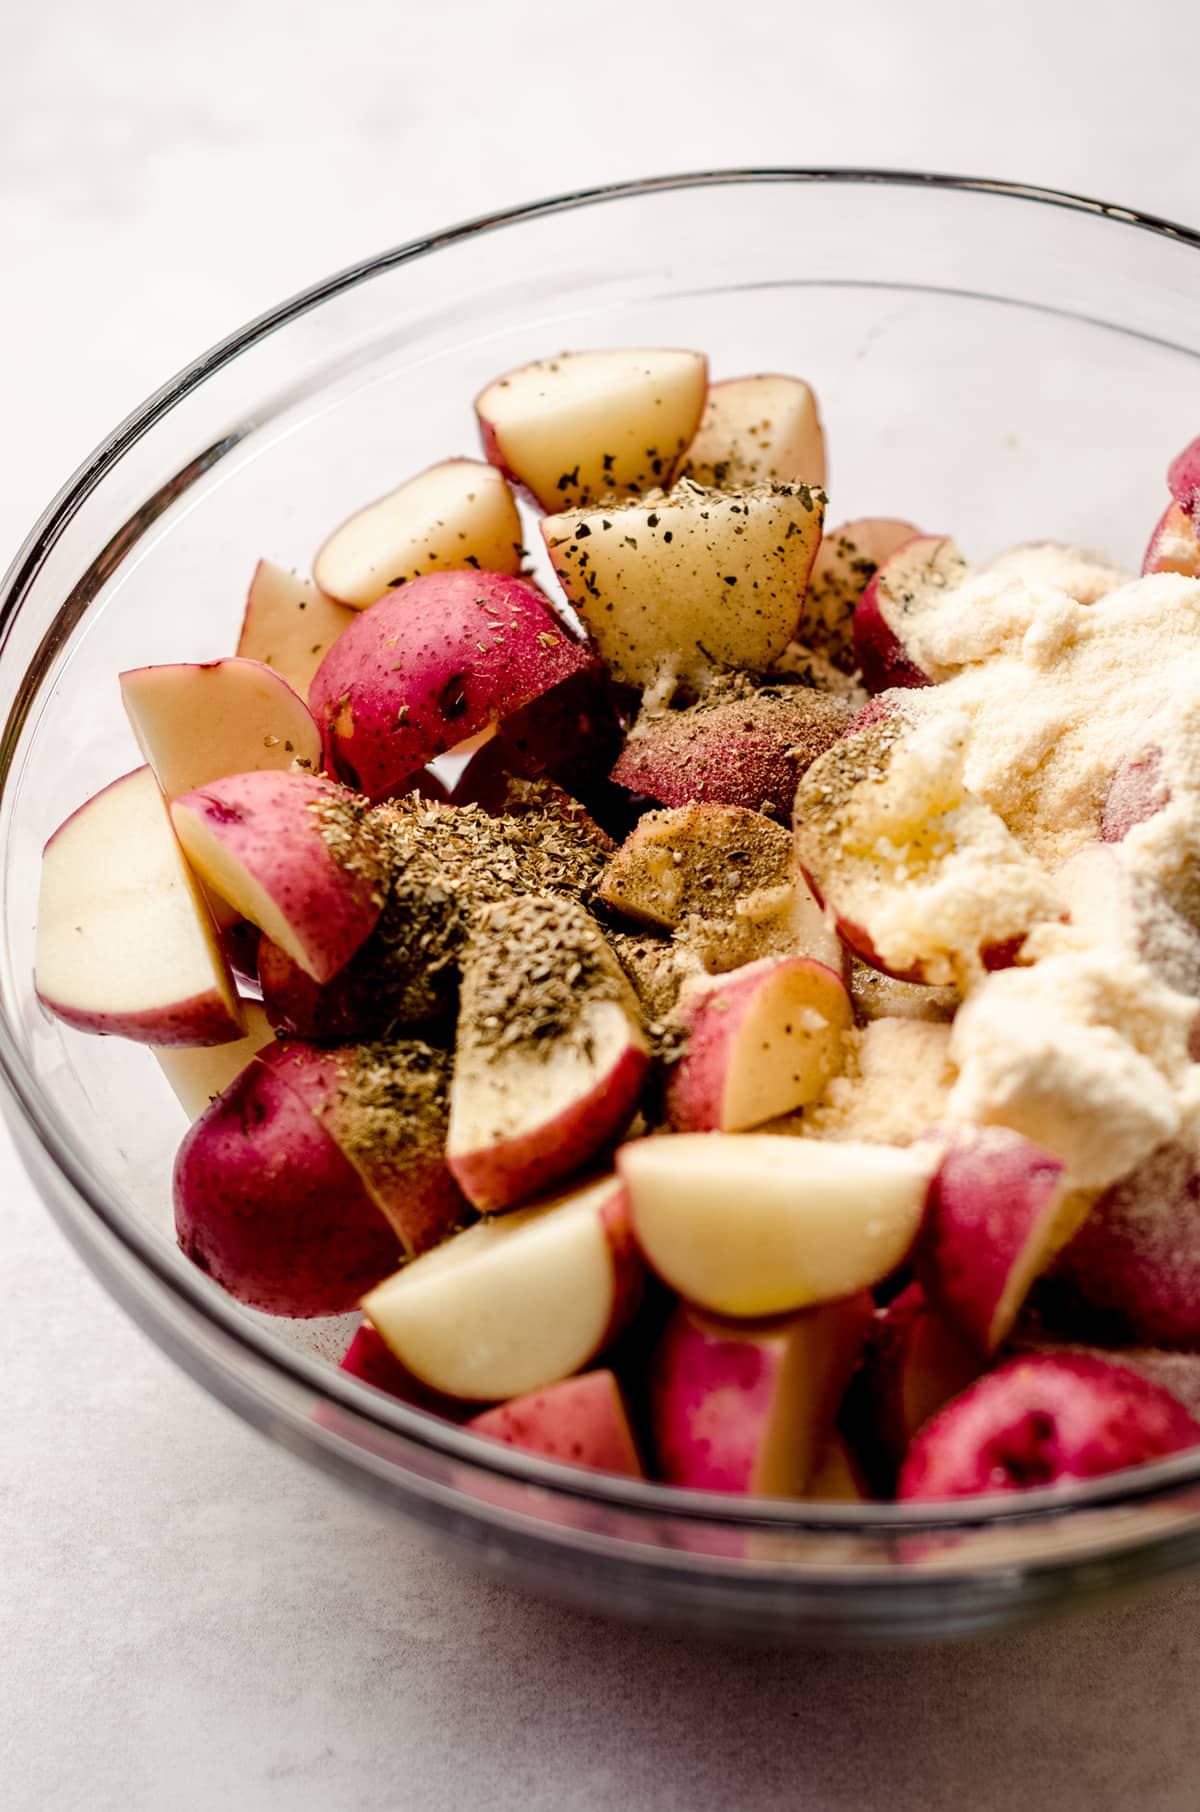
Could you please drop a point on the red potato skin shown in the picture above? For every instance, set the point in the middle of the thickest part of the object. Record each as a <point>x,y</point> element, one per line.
<point>268,1207</point>
<point>369,1358</point>
<point>1174,546</point>
<point>1135,1261</point>
<point>505,1174</point>
<point>582,1422</point>
<point>1038,1421</point>
<point>991,1195</point>
<point>735,1370</point>
<point>1137,792</point>
<point>413,1189</point>
<point>202,1020</point>
<point>915,1363</point>
<point>348,1006</point>
<point>266,822</point>
<point>431,664</point>
<point>1183,477</point>
<point>881,659</point>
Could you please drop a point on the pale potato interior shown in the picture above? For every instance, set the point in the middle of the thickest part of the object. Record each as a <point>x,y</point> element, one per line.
<point>1059,1221</point>
<point>202,722</point>
<point>199,1073</point>
<point>678,584</point>
<point>759,1223</point>
<point>226,876</point>
<point>588,424</point>
<point>497,1100</point>
<point>757,428</point>
<point>459,513</point>
<point>122,927</point>
<point>289,625</point>
<point>818,1355</point>
<point>788,1044</point>
<point>512,1304</point>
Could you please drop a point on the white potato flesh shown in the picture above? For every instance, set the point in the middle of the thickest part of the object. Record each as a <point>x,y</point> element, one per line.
<point>587,425</point>
<point>289,625</point>
<point>512,1304</point>
<point>757,428</point>
<point>753,1224</point>
<point>125,942</point>
<point>202,721</point>
<point>199,1073</point>
<point>457,514</point>
<point>687,580</point>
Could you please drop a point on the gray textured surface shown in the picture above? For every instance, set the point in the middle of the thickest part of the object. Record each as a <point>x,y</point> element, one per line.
<point>188,1617</point>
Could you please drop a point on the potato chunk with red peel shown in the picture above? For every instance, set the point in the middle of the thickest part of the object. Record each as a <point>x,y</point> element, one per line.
<point>289,625</point>
<point>368,1358</point>
<point>1172,1370</point>
<point>587,425</point>
<point>199,1073</point>
<point>753,1224</point>
<point>740,745</point>
<point>847,560</point>
<point>430,666</point>
<point>760,1041</point>
<point>125,940</point>
<point>293,853</point>
<point>688,580</point>
<point>1137,791</point>
<point>581,1421</point>
<point>925,880</point>
<point>550,1055</point>
<point>1174,546</point>
<point>749,1406</point>
<point>723,878</point>
<point>459,513</point>
<point>1183,478</point>
<point>758,428</point>
<point>912,580</point>
<point>267,1204</point>
<point>1038,1422</point>
<point>201,721</point>
<point>999,1210</point>
<point>1135,1261</point>
<point>385,1106</point>
<point>518,1301</point>
<point>915,1363</point>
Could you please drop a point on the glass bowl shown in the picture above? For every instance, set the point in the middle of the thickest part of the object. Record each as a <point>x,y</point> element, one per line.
<point>1000,362</point>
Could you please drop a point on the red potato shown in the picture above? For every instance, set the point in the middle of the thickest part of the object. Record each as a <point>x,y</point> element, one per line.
<point>1176,1372</point>
<point>581,1421</point>
<point>683,582</point>
<point>758,428</point>
<point>1174,546</point>
<point>749,1407</point>
<point>1137,790</point>
<point>270,1208</point>
<point>368,1358</point>
<point>385,1106</point>
<point>457,514</point>
<point>125,940</point>
<point>1042,1421</point>
<point>847,560</point>
<point>915,1363</point>
<point>572,734</point>
<point>199,1073</point>
<point>295,855</point>
<point>892,842</point>
<point>289,625</point>
<point>998,1212</point>
<point>761,1041</point>
<point>746,750</point>
<point>202,721</point>
<point>550,1055</point>
<point>1183,478</point>
<point>913,578</point>
<point>516,1302</point>
<point>753,1224</point>
<point>587,425</point>
<point>1136,1259</point>
<point>428,667</point>
<point>724,878</point>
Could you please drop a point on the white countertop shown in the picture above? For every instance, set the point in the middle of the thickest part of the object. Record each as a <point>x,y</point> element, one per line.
<point>188,1617</point>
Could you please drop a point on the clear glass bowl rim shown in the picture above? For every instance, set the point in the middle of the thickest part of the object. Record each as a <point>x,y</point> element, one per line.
<point>1141,1485</point>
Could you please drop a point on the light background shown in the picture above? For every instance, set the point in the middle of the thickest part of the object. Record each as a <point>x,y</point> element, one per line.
<point>188,1617</point>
